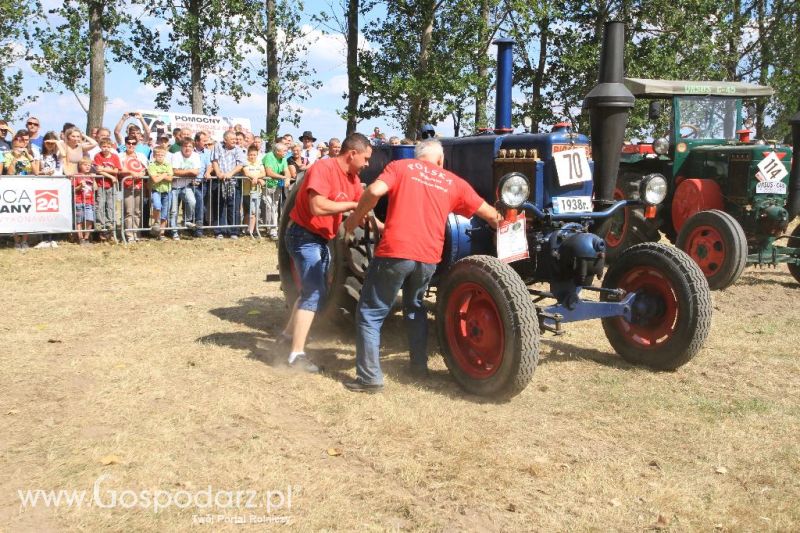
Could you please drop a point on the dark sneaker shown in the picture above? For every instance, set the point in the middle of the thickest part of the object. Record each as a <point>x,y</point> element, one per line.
<point>359,386</point>
<point>302,363</point>
<point>418,371</point>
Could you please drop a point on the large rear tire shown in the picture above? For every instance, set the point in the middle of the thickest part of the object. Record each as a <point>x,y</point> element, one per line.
<point>671,314</point>
<point>717,243</point>
<point>794,242</point>
<point>628,227</point>
<point>348,265</point>
<point>487,326</point>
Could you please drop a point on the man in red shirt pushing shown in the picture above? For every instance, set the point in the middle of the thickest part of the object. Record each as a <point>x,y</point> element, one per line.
<point>421,195</point>
<point>330,188</point>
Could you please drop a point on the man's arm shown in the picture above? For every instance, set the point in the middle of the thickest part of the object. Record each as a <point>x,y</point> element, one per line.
<point>371,195</point>
<point>145,128</point>
<point>321,206</point>
<point>217,170</point>
<point>489,214</point>
<point>118,128</point>
<point>186,172</point>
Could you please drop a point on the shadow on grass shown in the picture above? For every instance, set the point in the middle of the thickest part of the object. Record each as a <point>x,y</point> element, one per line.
<point>266,316</point>
<point>562,351</point>
<point>751,278</point>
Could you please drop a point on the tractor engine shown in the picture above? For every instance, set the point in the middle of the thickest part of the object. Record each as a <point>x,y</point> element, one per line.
<point>571,254</point>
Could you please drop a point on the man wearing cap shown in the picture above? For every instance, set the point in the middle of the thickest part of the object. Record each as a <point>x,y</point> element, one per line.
<point>330,188</point>
<point>308,150</point>
<point>5,146</point>
<point>421,195</point>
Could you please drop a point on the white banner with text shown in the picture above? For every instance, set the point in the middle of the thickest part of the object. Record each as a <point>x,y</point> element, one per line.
<point>35,205</point>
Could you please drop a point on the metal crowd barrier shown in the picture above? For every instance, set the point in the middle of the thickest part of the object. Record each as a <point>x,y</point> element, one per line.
<point>216,209</point>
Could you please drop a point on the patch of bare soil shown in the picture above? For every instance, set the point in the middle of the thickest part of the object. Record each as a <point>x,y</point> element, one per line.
<point>152,368</point>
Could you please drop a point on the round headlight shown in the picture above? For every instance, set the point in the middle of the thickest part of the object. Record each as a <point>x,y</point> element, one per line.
<point>653,189</point>
<point>661,146</point>
<point>513,189</point>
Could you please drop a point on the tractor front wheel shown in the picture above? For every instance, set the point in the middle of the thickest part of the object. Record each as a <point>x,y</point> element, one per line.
<point>717,243</point>
<point>671,313</point>
<point>487,327</point>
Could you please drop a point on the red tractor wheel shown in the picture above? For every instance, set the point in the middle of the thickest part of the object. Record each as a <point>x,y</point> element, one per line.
<point>487,327</point>
<point>717,243</point>
<point>628,228</point>
<point>671,313</point>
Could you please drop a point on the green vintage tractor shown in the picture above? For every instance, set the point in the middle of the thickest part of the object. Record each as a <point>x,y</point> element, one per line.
<point>730,198</point>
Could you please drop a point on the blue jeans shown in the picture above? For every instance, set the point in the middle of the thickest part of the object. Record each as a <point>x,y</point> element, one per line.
<point>199,205</point>
<point>311,258</point>
<point>385,277</point>
<point>160,201</point>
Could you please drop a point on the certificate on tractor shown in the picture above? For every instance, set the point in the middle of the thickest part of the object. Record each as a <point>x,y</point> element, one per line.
<point>512,242</point>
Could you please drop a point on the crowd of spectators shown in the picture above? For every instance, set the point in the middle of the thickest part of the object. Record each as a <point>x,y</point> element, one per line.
<point>229,187</point>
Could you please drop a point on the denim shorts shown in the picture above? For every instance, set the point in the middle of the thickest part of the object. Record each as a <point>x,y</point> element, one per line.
<point>161,203</point>
<point>84,213</point>
<point>311,259</point>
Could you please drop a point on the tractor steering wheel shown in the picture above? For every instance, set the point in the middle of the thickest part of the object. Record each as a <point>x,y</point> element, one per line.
<point>693,133</point>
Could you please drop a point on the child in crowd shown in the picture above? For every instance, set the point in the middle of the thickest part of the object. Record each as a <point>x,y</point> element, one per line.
<point>253,187</point>
<point>134,168</point>
<point>52,163</point>
<point>108,166</point>
<point>161,178</point>
<point>83,187</point>
<point>162,142</point>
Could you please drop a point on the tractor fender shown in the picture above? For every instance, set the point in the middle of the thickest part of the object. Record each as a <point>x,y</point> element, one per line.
<point>693,195</point>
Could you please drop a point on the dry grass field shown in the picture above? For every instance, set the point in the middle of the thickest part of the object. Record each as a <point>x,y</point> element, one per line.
<point>151,368</point>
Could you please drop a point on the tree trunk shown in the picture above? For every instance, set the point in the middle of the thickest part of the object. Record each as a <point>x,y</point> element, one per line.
<point>418,107</point>
<point>538,80</point>
<point>273,86</point>
<point>97,66</point>
<point>353,91</point>
<point>196,82</point>
<point>763,77</point>
<point>483,74</point>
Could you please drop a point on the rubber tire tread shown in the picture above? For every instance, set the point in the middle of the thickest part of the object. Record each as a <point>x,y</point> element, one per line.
<point>794,242</point>
<point>689,283</point>
<point>735,241</point>
<point>514,303</point>
<point>639,230</point>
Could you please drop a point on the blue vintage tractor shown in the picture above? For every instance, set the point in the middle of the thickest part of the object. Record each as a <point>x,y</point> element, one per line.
<point>654,301</point>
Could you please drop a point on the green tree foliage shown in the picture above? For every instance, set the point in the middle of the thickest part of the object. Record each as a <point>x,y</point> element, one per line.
<point>14,36</point>
<point>189,49</point>
<point>71,53</point>
<point>281,38</point>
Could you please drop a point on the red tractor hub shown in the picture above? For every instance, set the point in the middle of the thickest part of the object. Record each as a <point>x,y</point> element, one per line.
<point>475,331</point>
<point>707,247</point>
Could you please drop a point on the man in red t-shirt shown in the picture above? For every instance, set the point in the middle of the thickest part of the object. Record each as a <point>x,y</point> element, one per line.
<point>330,188</point>
<point>421,195</point>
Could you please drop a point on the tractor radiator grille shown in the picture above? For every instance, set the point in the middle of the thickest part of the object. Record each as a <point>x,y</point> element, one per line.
<point>738,179</point>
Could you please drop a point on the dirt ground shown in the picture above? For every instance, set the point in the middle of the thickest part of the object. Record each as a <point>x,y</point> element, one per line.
<point>133,370</point>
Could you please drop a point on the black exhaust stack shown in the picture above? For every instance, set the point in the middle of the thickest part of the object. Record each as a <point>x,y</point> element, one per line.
<point>609,104</point>
<point>793,202</point>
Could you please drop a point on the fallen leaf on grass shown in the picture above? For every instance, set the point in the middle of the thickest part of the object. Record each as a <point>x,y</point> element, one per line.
<point>511,508</point>
<point>721,470</point>
<point>12,412</point>
<point>109,460</point>
<point>40,327</point>
<point>253,312</point>
<point>334,452</point>
<point>614,502</point>
<point>654,464</point>
<point>54,341</point>
<point>661,523</point>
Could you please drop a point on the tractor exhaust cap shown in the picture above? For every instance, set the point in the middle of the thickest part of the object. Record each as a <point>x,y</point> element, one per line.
<point>609,104</point>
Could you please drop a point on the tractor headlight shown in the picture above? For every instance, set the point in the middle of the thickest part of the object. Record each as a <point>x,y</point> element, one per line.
<point>513,189</point>
<point>653,189</point>
<point>661,146</point>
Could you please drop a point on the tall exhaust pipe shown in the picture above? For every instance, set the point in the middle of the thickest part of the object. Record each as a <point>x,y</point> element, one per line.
<point>793,202</point>
<point>609,104</point>
<point>502,105</point>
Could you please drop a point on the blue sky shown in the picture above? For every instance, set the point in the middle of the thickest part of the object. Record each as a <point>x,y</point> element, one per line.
<point>125,92</point>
